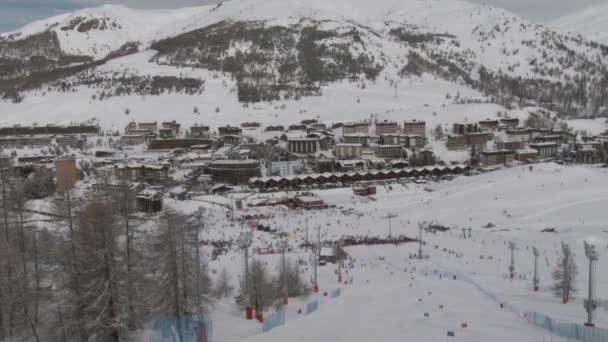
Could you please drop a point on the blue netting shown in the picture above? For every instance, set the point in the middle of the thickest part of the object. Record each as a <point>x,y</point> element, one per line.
<point>273,320</point>
<point>312,307</point>
<point>336,293</point>
<point>568,330</point>
<point>169,329</point>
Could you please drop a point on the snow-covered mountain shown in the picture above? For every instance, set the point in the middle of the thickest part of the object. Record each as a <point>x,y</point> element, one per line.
<point>271,51</point>
<point>590,22</point>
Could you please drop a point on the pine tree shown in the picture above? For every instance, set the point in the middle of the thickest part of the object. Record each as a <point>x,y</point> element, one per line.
<point>99,272</point>
<point>179,287</point>
<point>261,290</point>
<point>565,275</point>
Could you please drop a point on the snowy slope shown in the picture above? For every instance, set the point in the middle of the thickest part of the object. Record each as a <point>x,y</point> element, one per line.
<point>447,46</point>
<point>590,22</point>
<point>115,26</point>
<point>383,303</point>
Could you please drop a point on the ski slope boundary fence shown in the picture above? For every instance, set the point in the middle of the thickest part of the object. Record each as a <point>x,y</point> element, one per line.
<point>168,330</point>
<point>560,328</point>
<point>312,307</point>
<point>273,320</point>
<point>336,293</point>
<point>568,330</point>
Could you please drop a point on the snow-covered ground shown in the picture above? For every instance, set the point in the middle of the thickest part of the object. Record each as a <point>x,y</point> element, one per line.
<point>388,298</point>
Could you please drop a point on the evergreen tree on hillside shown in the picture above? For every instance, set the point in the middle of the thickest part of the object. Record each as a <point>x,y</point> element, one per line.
<point>565,275</point>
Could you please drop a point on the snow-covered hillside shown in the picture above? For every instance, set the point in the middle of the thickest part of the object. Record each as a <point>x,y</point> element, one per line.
<point>96,32</point>
<point>590,22</point>
<point>277,54</point>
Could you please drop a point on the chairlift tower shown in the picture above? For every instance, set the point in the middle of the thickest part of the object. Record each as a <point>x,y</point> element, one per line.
<point>420,227</point>
<point>512,266</point>
<point>591,303</point>
<point>283,246</point>
<point>390,217</point>
<point>244,241</point>
<point>339,258</point>
<point>316,250</point>
<point>535,280</point>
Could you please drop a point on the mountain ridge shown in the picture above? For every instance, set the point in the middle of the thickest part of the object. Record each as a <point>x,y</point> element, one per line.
<point>286,50</point>
<point>590,22</point>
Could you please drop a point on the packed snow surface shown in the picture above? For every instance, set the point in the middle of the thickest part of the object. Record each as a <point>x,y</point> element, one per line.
<point>391,292</point>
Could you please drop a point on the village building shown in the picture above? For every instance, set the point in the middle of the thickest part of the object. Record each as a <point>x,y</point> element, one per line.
<point>510,141</point>
<point>488,125</point>
<point>534,133</point>
<point>171,144</point>
<point>19,130</point>
<point>154,174</point>
<point>465,128</point>
<point>167,133</point>
<point>318,126</point>
<point>303,145</point>
<point>152,127</point>
<point>327,142</point>
<point>351,128</point>
<point>35,140</point>
<point>389,152</point>
<point>173,125</point>
<point>413,141</point>
<point>251,125</point>
<point>71,140</point>
<point>274,128</point>
<point>348,151</point>
<point>509,123</point>
<point>500,157</point>
<point>479,140</point>
<point>545,150</point>
<point>36,159</point>
<point>526,155</point>
<point>588,152</point>
<point>120,193</point>
<point>321,164</point>
<point>297,127</point>
<point>386,127</point>
<point>456,142</point>
<point>357,176</point>
<point>309,202</point>
<point>392,139</point>
<point>415,127</point>
<point>287,168</point>
<point>197,131</point>
<point>149,201</point>
<point>518,135</point>
<point>66,174</point>
<point>229,130</point>
<point>234,171</point>
<point>229,139</point>
<point>200,149</point>
<point>357,138</point>
<point>554,138</point>
<point>130,139</point>
<point>364,189</point>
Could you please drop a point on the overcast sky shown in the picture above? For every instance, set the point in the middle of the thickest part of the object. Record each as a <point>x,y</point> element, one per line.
<point>15,13</point>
